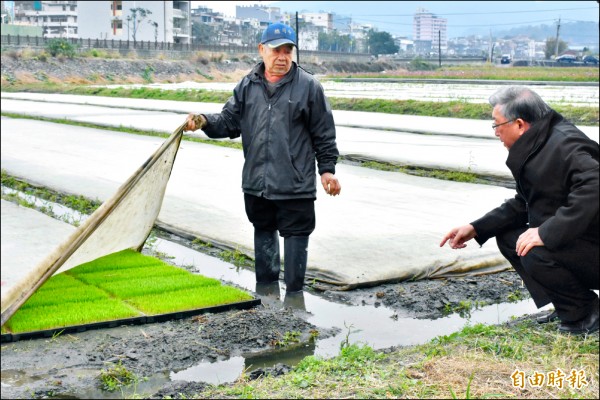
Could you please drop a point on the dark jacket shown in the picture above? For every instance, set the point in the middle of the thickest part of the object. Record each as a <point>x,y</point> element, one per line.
<point>555,167</point>
<point>282,135</point>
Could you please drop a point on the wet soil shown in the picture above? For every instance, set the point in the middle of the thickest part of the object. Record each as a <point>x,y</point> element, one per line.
<point>56,366</point>
<point>435,298</point>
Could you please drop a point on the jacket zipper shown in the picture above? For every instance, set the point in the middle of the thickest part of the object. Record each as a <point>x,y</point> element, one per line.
<point>521,187</point>
<point>267,140</point>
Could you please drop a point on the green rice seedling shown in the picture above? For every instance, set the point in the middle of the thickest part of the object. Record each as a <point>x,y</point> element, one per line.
<point>121,259</point>
<point>186,299</point>
<point>60,281</point>
<point>68,314</point>
<point>81,294</point>
<point>99,291</point>
<point>96,278</point>
<point>126,289</point>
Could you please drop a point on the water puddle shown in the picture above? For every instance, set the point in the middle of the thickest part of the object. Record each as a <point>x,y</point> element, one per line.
<point>13,377</point>
<point>379,327</point>
<point>216,373</point>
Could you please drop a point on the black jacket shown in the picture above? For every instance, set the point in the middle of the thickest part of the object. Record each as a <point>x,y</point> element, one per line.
<point>555,167</point>
<point>282,135</point>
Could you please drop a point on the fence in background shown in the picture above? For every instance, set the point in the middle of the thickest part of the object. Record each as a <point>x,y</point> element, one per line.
<point>149,49</point>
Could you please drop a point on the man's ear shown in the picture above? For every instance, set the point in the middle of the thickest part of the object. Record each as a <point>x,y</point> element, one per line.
<point>522,125</point>
<point>519,122</point>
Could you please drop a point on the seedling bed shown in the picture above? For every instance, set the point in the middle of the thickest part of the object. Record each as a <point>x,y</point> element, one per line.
<point>123,288</point>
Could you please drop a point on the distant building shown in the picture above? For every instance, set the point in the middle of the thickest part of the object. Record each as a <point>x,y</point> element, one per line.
<point>359,34</point>
<point>429,32</point>
<point>265,15</point>
<point>405,45</point>
<point>55,18</point>
<point>308,38</point>
<point>323,20</point>
<point>166,21</point>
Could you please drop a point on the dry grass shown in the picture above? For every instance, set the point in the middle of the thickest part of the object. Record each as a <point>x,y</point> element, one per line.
<point>25,78</point>
<point>493,378</point>
<point>76,80</point>
<point>476,362</point>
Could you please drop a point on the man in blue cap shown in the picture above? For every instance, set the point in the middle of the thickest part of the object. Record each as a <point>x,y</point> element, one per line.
<point>286,124</point>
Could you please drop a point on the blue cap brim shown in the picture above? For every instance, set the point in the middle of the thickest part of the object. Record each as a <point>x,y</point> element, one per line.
<point>279,42</point>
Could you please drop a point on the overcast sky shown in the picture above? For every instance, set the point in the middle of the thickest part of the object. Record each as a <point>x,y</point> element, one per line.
<point>396,17</point>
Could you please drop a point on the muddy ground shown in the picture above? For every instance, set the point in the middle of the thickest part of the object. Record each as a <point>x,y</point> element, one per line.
<point>69,365</point>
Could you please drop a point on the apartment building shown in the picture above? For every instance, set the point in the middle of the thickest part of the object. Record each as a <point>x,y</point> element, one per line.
<point>155,21</point>
<point>429,32</point>
<point>57,19</point>
<point>323,20</point>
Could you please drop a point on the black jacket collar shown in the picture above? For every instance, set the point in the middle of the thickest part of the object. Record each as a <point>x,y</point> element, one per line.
<point>531,141</point>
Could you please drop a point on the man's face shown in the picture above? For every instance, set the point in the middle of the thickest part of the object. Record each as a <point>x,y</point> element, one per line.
<point>278,61</point>
<point>507,132</point>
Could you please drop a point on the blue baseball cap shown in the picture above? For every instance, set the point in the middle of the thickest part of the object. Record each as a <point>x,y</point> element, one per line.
<point>278,34</point>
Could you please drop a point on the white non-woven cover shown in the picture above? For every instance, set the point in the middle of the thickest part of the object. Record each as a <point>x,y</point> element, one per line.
<point>123,221</point>
<point>385,226</point>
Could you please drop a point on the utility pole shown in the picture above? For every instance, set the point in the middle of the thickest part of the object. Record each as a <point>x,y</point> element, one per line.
<point>297,41</point>
<point>490,48</point>
<point>556,44</point>
<point>440,47</point>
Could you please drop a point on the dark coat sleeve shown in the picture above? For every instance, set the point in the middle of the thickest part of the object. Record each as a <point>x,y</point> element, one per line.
<point>510,215</point>
<point>322,130</point>
<point>227,123</point>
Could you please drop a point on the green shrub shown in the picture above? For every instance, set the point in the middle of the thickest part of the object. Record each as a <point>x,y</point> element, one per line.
<point>59,46</point>
<point>418,64</point>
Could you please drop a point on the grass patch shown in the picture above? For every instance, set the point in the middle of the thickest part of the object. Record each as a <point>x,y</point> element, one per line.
<point>120,285</point>
<point>116,376</point>
<point>477,362</point>
<point>77,203</point>
<point>456,176</point>
<point>222,143</point>
<point>452,109</point>
<point>489,72</point>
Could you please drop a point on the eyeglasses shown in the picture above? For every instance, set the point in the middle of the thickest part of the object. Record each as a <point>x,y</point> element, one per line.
<point>494,126</point>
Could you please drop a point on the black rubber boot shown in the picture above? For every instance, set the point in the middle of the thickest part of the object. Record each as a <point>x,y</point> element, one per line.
<point>267,262</point>
<point>295,256</point>
<point>268,289</point>
<point>294,300</point>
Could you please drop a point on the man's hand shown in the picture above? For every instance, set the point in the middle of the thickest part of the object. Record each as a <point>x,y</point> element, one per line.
<point>331,184</point>
<point>195,121</point>
<point>528,239</point>
<point>457,237</point>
